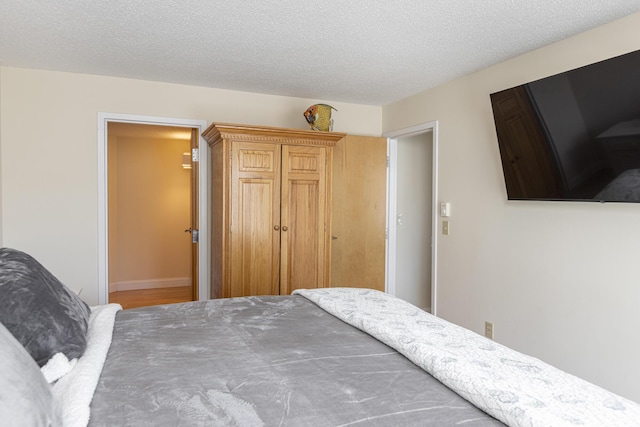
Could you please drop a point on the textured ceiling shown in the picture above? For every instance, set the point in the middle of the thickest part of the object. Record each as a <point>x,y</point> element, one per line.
<point>368,52</point>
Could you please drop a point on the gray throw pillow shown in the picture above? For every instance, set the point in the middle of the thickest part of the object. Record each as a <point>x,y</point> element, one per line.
<point>25,396</point>
<point>42,314</point>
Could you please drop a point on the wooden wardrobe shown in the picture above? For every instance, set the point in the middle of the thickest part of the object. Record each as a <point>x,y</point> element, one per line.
<point>270,209</point>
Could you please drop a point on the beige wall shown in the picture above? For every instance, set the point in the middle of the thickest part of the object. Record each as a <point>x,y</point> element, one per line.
<point>559,280</point>
<point>49,164</point>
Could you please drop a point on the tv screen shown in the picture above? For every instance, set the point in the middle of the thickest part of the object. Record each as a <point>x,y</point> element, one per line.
<point>574,135</point>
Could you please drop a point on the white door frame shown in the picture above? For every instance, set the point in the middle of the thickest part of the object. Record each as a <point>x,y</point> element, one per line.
<point>392,191</point>
<point>203,197</point>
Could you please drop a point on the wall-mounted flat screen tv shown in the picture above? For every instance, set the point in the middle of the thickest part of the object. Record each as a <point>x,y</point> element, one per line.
<point>574,135</point>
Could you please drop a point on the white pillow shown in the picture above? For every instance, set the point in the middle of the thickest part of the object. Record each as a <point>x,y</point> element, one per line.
<point>25,396</point>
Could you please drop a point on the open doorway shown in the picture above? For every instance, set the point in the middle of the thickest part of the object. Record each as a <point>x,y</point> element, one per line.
<point>412,243</point>
<point>149,176</point>
<point>413,220</point>
<point>199,200</point>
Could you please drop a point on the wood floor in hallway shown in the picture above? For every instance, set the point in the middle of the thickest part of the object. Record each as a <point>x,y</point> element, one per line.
<point>147,297</point>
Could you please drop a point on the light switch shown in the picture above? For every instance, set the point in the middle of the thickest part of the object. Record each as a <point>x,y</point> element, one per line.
<point>445,209</point>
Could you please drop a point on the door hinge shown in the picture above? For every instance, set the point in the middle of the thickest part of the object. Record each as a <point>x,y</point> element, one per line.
<point>195,155</point>
<point>388,161</point>
<point>386,234</point>
<point>195,236</point>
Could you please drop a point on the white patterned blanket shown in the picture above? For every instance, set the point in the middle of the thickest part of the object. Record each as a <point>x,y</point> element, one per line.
<point>517,389</point>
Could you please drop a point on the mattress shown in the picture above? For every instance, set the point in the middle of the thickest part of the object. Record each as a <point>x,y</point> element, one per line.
<point>273,360</point>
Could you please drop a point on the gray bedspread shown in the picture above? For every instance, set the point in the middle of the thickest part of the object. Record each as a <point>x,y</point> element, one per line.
<point>273,361</point>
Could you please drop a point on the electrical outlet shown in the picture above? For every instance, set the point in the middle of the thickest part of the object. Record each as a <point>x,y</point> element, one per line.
<point>488,330</point>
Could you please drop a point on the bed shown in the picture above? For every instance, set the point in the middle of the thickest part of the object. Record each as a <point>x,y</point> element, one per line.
<point>322,357</point>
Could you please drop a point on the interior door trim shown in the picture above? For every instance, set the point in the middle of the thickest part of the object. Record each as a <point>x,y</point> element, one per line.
<point>392,181</point>
<point>203,181</point>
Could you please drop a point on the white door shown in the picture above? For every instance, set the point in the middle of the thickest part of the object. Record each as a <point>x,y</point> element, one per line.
<point>414,210</point>
<point>412,246</point>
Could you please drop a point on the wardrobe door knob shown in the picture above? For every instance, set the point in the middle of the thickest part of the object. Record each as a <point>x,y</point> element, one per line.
<point>276,227</point>
<point>284,228</point>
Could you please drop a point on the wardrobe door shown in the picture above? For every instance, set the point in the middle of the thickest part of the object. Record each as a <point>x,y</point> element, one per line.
<point>303,218</point>
<point>359,212</point>
<point>255,218</point>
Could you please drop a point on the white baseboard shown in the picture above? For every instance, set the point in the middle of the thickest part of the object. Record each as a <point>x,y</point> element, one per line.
<point>130,285</point>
